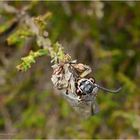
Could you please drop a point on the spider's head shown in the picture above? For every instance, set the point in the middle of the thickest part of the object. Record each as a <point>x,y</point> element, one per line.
<point>86,86</point>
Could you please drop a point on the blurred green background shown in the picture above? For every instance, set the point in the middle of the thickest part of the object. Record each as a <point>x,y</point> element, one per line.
<point>103,35</point>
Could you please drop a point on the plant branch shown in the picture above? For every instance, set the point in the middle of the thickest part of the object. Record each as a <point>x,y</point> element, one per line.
<point>36,27</point>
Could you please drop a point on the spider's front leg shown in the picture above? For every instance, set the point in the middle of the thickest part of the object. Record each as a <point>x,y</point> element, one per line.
<point>83,70</point>
<point>87,70</point>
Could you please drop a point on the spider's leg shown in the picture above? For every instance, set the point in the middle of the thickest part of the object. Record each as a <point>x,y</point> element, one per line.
<point>94,107</point>
<point>86,72</point>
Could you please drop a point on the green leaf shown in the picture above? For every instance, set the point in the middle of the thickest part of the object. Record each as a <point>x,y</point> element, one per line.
<point>30,59</point>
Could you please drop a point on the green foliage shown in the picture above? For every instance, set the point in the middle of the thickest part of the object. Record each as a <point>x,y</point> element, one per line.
<point>30,59</point>
<point>19,36</point>
<point>42,21</point>
<point>57,53</point>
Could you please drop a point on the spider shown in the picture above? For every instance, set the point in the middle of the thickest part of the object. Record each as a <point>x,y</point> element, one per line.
<point>80,91</point>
